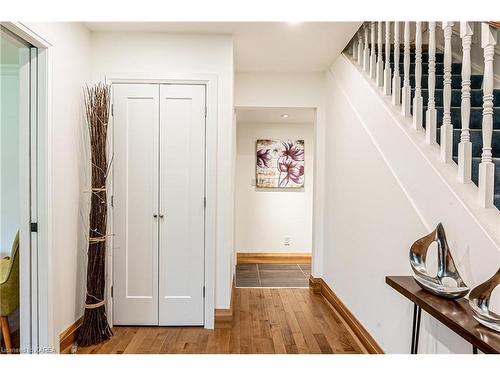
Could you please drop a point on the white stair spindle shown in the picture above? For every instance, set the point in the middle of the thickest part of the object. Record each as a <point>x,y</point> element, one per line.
<point>465,145</point>
<point>396,79</point>
<point>486,167</point>
<point>431,114</point>
<point>366,52</point>
<point>387,70</point>
<point>417,99</point>
<point>406,92</point>
<point>355,47</point>
<point>380,61</point>
<point>373,57</point>
<point>447,127</point>
<point>360,48</point>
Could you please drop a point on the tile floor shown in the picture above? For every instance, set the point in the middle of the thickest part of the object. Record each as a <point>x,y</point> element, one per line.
<point>272,275</point>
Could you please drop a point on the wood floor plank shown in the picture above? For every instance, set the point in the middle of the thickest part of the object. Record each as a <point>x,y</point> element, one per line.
<point>265,320</point>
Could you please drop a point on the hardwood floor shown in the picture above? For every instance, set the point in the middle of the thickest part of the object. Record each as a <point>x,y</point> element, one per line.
<point>277,321</point>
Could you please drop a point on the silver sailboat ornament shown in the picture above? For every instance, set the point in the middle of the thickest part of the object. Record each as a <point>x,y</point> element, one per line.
<point>447,283</point>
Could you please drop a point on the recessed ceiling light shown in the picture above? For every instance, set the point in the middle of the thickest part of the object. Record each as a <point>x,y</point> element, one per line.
<point>284,115</point>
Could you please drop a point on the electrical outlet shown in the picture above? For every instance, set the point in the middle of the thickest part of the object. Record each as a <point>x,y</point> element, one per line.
<point>286,241</point>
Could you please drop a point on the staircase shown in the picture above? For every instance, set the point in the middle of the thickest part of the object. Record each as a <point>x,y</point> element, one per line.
<point>477,81</point>
<point>476,114</point>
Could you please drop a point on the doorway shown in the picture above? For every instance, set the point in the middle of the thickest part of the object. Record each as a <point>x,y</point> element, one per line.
<point>274,196</point>
<point>159,200</point>
<point>18,192</point>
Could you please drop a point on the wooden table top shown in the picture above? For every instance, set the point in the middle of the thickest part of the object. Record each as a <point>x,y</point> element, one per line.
<point>455,314</point>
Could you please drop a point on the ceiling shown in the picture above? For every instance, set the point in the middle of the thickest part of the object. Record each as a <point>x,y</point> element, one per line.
<point>262,46</point>
<point>274,115</point>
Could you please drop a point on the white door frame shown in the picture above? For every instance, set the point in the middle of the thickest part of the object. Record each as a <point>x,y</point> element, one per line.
<point>210,82</point>
<point>36,312</point>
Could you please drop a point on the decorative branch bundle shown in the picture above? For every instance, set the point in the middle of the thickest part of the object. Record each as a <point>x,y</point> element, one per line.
<point>95,328</point>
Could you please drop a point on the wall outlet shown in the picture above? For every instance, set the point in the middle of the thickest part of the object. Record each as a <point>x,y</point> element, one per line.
<point>286,241</point>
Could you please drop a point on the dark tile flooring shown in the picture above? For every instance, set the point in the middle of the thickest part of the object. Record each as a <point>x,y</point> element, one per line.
<point>272,275</point>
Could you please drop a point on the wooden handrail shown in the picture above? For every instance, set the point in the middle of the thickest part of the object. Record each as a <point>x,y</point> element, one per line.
<point>494,24</point>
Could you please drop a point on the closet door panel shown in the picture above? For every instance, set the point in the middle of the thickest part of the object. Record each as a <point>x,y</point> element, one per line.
<point>182,190</point>
<point>135,189</point>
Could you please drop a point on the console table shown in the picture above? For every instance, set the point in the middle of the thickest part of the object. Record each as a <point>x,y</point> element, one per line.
<point>455,314</point>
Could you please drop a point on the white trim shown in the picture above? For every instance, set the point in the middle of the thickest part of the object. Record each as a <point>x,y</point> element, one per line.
<point>210,82</point>
<point>42,308</point>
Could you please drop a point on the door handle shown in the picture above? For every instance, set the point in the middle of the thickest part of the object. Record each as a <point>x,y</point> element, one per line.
<point>155,216</point>
<point>161,216</point>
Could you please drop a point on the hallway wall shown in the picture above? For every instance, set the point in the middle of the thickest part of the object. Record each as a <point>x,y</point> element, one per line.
<point>381,194</point>
<point>264,217</point>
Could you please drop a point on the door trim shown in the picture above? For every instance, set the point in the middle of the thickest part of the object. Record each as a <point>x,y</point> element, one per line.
<point>210,82</point>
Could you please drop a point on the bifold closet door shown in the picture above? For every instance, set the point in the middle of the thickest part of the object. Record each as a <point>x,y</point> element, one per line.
<point>182,191</point>
<point>135,202</point>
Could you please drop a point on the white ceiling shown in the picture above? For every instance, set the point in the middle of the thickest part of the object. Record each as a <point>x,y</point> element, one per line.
<point>262,46</point>
<point>273,115</point>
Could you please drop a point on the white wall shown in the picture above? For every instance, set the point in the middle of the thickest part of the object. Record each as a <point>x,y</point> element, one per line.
<point>69,71</point>
<point>293,90</point>
<point>384,189</point>
<point>163,53</point>
<point>264,217</point>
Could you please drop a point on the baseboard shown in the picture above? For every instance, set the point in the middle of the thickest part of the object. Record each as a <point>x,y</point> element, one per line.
<point>224,317</point>
<point>273,258</point>
<point>68,337</point>
<point>362,336</point>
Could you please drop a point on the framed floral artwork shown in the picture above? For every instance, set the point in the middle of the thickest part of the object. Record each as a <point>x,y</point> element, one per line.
<point>279,164</point>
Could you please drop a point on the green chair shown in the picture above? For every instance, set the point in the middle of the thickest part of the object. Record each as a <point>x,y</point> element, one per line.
<point>9,290</point>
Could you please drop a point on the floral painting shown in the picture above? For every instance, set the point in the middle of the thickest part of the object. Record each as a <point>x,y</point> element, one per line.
<point>280,163</point>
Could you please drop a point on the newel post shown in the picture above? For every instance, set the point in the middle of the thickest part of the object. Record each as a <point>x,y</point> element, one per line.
<point>486,167</point>
<point>465,145</point>
<point>406,92</point>
<point>417,100</point>
<point>431,115</point>
<point>447,127</point>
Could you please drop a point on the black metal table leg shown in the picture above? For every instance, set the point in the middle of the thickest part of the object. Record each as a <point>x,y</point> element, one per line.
<point>415,333</point>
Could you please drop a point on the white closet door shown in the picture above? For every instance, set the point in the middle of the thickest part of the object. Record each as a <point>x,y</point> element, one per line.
<point>135,188</point>
<point>182,190</point>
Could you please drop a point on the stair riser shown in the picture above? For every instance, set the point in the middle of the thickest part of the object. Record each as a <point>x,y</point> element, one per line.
<point>476,99</point>
<point>475,121</point>
<point>456,81</point>
<point>456,68</point>
<point>477,141</point>
<point>425,57</point>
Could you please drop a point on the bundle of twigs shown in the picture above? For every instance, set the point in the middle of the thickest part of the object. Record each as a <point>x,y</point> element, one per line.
<point>95,328</point>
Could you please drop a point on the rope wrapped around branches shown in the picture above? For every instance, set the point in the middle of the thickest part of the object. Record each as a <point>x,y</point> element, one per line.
<point>95,327</point>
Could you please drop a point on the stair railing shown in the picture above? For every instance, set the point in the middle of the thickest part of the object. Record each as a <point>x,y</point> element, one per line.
<point>431,114</point>
<point>380,61</point>
<point>372,60</point>
<point>387,70</point>
<point>486,167</point>
<point>417,100</point>
<point>396,79</point>
<point>465,145</point>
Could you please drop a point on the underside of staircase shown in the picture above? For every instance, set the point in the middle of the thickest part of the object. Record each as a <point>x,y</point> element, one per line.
<point>475,124</point>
